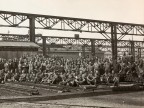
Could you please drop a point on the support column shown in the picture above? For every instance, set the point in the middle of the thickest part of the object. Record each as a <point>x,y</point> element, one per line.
<point>132,49</point>
<point>32,29</point>
<point>44,45</point>
<point>92,47</point>
<point>83,50</point>
<point>139,52</point>
<point>114,44</point>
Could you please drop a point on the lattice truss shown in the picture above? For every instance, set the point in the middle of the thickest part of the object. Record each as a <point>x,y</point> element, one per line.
<point>128,29</point>
<point>14,19</point>
<point>76,44</point>
<point>102,44</point>
<point>67,24</point>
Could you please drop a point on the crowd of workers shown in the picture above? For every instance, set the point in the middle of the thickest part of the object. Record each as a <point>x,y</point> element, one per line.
<point>70,72</point>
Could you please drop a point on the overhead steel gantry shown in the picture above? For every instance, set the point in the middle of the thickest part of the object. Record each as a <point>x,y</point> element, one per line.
<point>81,44</point>
<point>112,31</point>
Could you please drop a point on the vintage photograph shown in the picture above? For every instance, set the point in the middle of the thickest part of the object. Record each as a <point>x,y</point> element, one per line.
<point>71,53</point>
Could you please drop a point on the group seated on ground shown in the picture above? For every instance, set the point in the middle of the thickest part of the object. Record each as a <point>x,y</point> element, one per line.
<point>70,72</point>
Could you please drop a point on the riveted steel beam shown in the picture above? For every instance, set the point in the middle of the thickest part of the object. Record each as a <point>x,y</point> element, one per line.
<point>14,19</point>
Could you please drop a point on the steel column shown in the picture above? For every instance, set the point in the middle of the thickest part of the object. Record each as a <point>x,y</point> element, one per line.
<point>132,49</point>
<point>114,47</point>
<point>92,47</point>
<point>44,45</point>
<point>139,52</point>
<point>48,49</point>
<point>83,50</point>
<point>32,28</point>
<point>114,42</point>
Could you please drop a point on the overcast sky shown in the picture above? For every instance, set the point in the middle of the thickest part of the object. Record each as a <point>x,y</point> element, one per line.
<point>131,11</point>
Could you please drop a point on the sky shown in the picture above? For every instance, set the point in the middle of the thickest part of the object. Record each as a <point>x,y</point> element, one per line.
<point>130,11</point>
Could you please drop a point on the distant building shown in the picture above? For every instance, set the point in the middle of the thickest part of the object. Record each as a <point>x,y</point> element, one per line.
<point>9,50</point>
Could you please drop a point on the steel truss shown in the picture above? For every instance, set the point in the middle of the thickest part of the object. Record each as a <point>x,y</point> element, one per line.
<point>102,44</point>
<point>15,19</point>
<point>112,31</point>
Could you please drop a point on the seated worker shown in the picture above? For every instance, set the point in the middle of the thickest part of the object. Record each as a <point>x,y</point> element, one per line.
<point>45,78</point>
<point>2,75</point>
<point>16,77</point>
<point>31,76</point>
<point>105,78</point>
<point>97,78</point>
<point>91,80</point>
<point>64,79</point>
<point>23,76</point>
<point>50,78</point>
<point>8,76</point>
<point>81,79</point>
<point>71,81</point>
<point>116,80</point>
<point>38,77</point>
<point>57,79</point>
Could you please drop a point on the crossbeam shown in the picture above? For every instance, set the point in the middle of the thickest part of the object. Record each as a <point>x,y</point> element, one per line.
<point>61,40</point>
<point>112,31</point>
<point>14,19</point>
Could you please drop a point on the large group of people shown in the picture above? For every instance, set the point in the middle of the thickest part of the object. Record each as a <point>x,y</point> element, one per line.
<point>71,72</point>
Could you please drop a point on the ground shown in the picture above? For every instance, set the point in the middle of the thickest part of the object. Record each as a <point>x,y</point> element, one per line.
<point>126,100</point>
<point>97,99</point>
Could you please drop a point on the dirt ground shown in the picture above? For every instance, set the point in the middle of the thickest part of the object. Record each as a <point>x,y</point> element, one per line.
<point>124,100</point>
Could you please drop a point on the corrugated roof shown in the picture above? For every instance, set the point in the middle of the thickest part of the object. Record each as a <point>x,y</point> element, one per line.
<point>18,44</point>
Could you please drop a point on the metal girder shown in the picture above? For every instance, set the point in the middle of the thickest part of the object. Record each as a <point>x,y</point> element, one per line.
<point>101,43</point>
<point>129,30</point>
<point>73,25</point>
<point>75,44</point>
<point>14,19</point>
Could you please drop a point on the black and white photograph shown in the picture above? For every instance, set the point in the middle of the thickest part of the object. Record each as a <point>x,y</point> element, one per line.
<point>71,53</point>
